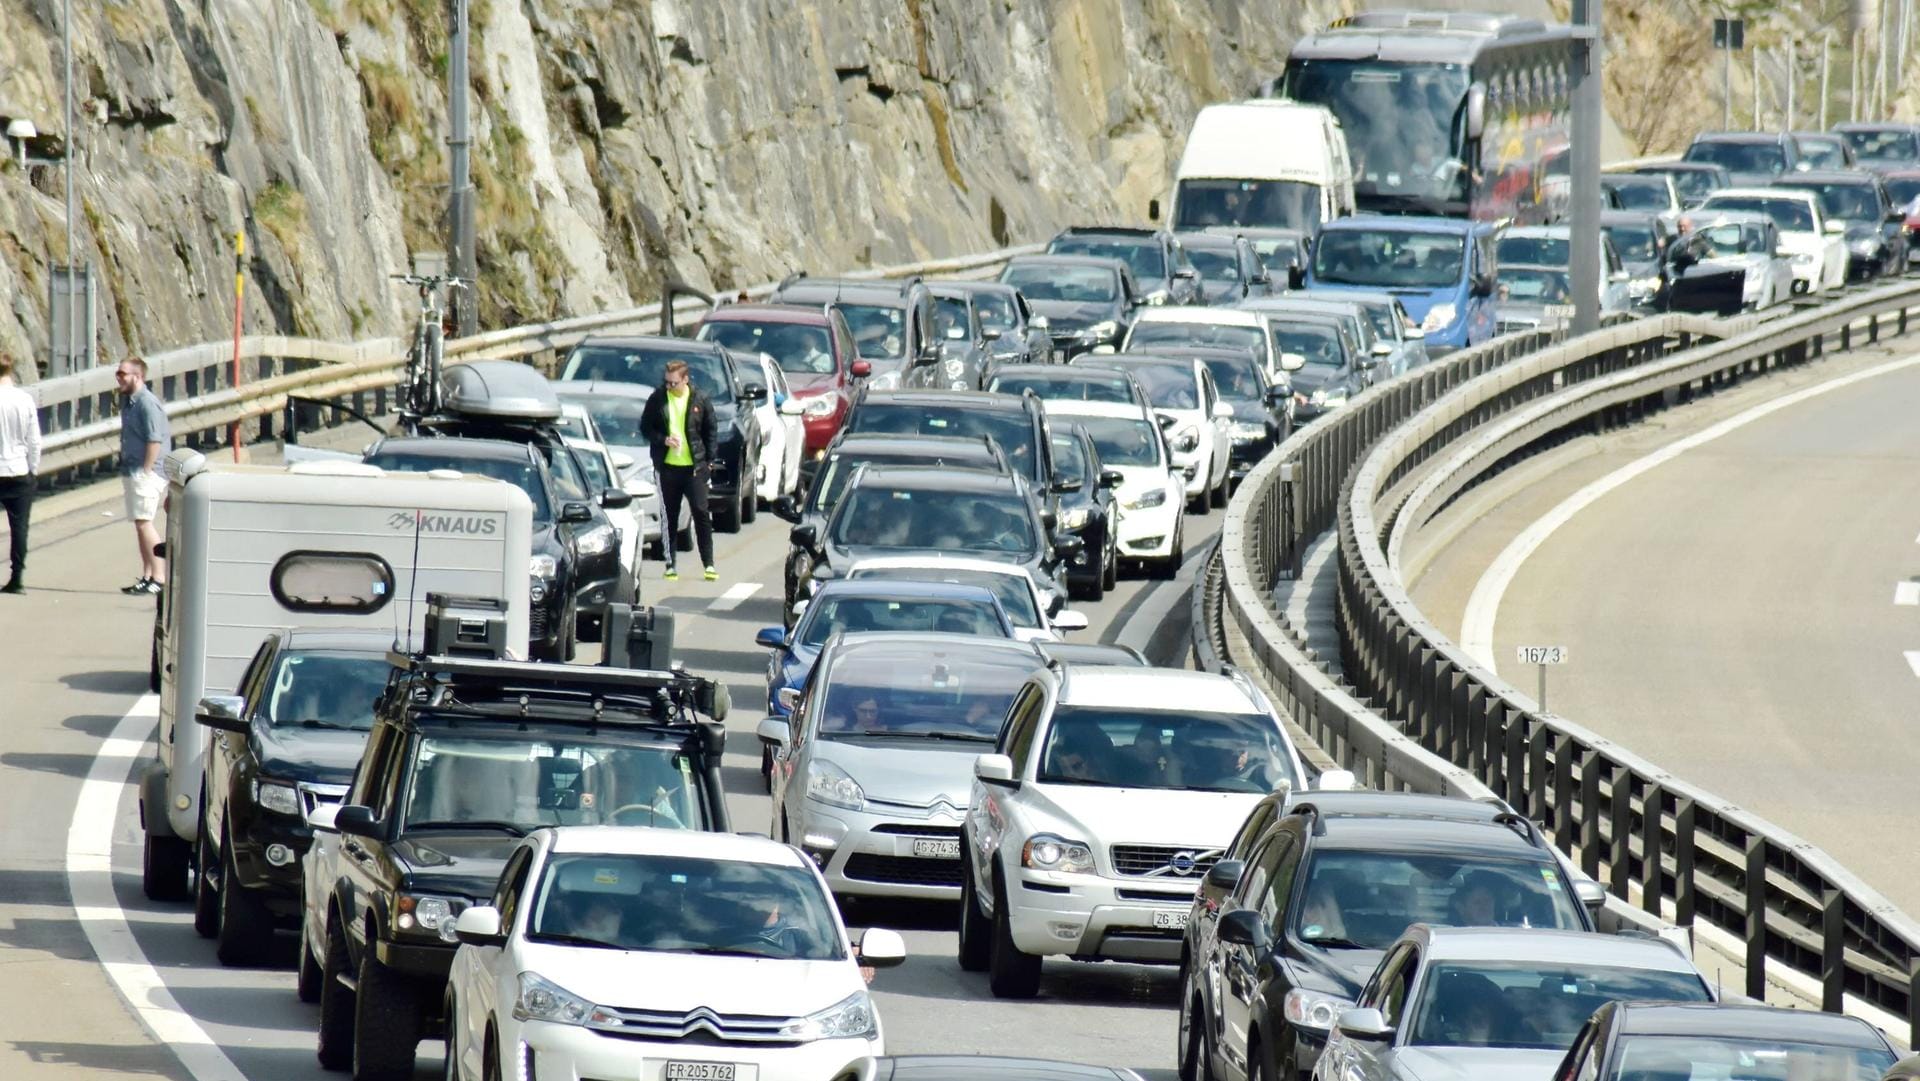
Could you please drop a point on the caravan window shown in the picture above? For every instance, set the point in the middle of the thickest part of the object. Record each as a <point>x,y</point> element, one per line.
<point>353,583</point>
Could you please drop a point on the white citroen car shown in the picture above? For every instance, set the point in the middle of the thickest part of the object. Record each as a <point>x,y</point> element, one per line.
<point>1110,794</point>
<point>664,955</point>
<point>1818,247</point>
<point>1032,610</point>
<point>1149,525</point>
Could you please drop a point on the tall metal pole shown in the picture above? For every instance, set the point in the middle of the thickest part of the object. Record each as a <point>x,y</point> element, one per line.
<point>462,259</point>
<point>1826,62</point>
<point>1793,81</point>
<point>1754,53</point>
<point>1726,85</point>
<point>1853,83</point>
<point>73,292</point>
<point>1584,163</point>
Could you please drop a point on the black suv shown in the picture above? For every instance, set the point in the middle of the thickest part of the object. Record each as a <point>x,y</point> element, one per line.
<point>1017,422</point>
<point>1087,511</point>
<point>1155,256</point>
<point>842,459</point>
<point>892,323</point>
<point>1006,319</point>
<point>1082,302</point>
<point>1291,921</point>
<point>284,744</point>
<point>467,755</point>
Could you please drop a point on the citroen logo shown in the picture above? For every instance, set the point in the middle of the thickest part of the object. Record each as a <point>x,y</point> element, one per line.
<point>1182,863</point>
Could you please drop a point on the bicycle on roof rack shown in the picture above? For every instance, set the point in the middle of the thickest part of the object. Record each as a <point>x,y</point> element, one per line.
<point>419,391</point>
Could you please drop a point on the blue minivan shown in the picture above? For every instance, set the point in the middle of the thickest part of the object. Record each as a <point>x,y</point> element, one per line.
<point>1442,269</point>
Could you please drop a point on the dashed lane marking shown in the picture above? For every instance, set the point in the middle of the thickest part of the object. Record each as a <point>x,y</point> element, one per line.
<point>1913,660</point>
<point>1906,593</point>
<point>733,597</point>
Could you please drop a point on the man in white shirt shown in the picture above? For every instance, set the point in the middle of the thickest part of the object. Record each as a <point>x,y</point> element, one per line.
<point>19,461</point>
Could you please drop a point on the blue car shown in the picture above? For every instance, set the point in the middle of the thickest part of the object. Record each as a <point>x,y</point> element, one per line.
<point>855,605</point>
<point>1442,269</point>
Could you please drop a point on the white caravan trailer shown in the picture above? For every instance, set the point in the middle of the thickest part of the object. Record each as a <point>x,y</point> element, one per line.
<point>1262,164</point>
<point>324,544</point>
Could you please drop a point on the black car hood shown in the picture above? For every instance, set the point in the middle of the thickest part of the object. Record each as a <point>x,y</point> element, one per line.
<point>465,863</point>
<point>1312,377</point>
<point>319,755</point>
<point>1072,315</point>
<point>1862,230</point>
<point>546,542</point>
<point>1339,972</point>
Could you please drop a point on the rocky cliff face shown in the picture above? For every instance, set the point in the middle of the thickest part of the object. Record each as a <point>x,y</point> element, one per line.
<point>615,142</point>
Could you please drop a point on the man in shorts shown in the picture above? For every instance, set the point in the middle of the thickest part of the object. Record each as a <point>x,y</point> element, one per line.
<point>144,439</point>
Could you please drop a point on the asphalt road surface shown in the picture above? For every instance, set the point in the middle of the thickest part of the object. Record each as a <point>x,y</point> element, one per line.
<point>75,669</point>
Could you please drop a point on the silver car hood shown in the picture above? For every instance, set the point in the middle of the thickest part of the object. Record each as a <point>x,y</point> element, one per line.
<point>1474,1064</point>
<point>915,773</point>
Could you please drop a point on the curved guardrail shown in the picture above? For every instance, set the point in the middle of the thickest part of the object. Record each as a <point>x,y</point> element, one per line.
<point>1420,714</point>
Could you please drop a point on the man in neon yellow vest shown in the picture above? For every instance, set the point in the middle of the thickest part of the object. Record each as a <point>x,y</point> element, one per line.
<point>678,426</point>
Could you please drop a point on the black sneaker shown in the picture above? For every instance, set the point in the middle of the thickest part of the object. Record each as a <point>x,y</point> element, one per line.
<point>140,586</point>
<point>13,586</point>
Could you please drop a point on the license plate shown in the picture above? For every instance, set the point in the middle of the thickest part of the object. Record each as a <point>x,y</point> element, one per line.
<point>937,848</point>
<point>1172,920</point>
<point>709,1071</point>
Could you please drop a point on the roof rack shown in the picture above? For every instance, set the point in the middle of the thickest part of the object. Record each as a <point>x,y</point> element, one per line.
<point>460,684</point>
<point>1523,826</point>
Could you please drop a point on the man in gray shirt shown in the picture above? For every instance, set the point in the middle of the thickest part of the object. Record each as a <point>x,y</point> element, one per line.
<point>145,438</point>
<point>19,461</point>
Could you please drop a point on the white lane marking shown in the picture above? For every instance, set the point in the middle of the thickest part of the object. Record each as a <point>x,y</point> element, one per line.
<point>90,880</point>
<point>1483,607</point>
<point>731,599</point>
<point>1906,593</point>
<point>1913,660</point>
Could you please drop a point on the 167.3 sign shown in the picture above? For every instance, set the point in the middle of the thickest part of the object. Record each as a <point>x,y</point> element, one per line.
<point>1541,654</point>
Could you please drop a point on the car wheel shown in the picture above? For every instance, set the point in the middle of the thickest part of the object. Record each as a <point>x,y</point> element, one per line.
<point>1169,568</point>
<point>1010,972</point>
<point>728,518</point>
<point>1218,497</point>
<point>490,1068</point>
<point>976,933</point>
<point>1110,571</point>
<point>246,927</point>
<point>386,1023</point>
<point>153,668</point>
<point>1194,1062</point>
<point>750,507</point>
<point>307,983</point>
<point>165,864</point>
<point>206,895</point>
<point>336,1004</point>
<point>766,766</point>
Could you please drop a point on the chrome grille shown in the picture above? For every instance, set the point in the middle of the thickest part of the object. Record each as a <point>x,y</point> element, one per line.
<point>699,1025</point>
<point>1176,862</point>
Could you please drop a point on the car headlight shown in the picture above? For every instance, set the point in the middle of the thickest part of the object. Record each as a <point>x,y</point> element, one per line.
<point>1074,519</point>
<point>1102,331</point>
<point>1188,439</point>
<point>1311,1009</point>
<point>596,541</point>
<point>1153,498</point>
<point>831,785</point>
<point>544,1000</point>
<point>276,797</point>
<point>543,566</point>
<point>1439,317</point>
<point>423,914</point>
<point>1047,852</point>
<point>1248,432</point>
<point>851,1018</point>
<point>820,405</point>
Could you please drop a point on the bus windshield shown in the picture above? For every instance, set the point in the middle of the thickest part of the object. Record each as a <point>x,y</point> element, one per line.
<point>1279,204</point>
<point>1401,123</point>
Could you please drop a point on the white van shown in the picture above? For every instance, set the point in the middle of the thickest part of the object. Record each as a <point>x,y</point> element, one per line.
<point>1261,164</point>
<point>326,545</point>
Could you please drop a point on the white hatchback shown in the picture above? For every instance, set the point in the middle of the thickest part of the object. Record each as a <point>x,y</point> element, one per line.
<point>1148,500</point>
<point>661,955</point>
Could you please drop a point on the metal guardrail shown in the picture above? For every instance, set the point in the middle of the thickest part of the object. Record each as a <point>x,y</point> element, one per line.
<point>1422,715</point>
<point>80,413</point>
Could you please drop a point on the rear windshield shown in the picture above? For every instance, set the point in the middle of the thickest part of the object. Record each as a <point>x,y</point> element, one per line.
<point>647,367</point>
<point>1789,215</point>
<point>1365,898</point>
<point>797,348</point>
<point>324,689</point>
<point>1013,588</point>
<point>1740,157</point>
<point>1052,387</point>
<point>1157,333</point>
<point>828,616</point>
<point>1143,256</point>
<point>876,517</point>
<point>1012,430</point>
<point>1074,284</point>
<point>522,474</point>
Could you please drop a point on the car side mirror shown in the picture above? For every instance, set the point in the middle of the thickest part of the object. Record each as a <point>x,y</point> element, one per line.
<point>774,730</point>
<point>861,369</point>
<point>1277,395</point>
<point>323,816</point>
<point>1222,411</point>
<point>1781,253</point>
<point>576,512</point>
<point>753,392</point>
<point>806,535</point>
<point>357,821</point>
<point>789,697</point>
<point>1164,421</point>
<point>227,712</point>
<point>956,333</point>
<point>1069,620</point>
<point>1416,334</point>
<point>771,637</point>
<point>1367,1026</point>
<point>793,407</point>
<point>1381,349</point>
<point>616,498</point>
<point>1336,780</point>
<point>1834,228</point>
<point>1292,362</point>
<point>1296,277</point>
<point>785,507</point>
<point>1040,322</point>
<point>995,769</point>
<point>1476,110</point>
<point>1225,874</point>
<point>1480,286</point>
<point>1187,274</point>
<point>1590,893</point>
<point>990,334</point>
<point>1112,478</point>
<point>621,459</point>
<point>1242,927</point>
<point>1068,547</point>
<point>881,948</point>
<point>479,926</point>
<point>1618,276</point>
<point>1896,217</point>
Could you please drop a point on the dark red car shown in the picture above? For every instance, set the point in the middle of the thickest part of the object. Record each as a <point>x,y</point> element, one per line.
<point>813,346</point>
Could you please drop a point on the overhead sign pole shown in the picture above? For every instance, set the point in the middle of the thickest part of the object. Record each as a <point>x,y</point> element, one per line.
<point>1584,164</point>
<point>1729,35</point>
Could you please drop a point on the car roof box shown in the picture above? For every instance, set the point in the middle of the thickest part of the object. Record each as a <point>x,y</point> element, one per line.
<point>500,389</point>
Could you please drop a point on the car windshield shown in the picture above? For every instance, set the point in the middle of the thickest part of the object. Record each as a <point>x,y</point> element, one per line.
<point>1848,202</point>
<point>1540,250</point>
<point>1635,243</point>
<point>1276,204</point>
<point>1320,345</point>
<point>1117,747</point>
<point>1142,255</point>
<point>1074,284</point>
<point>1389,258</point>
<point>594,465</point>
<point>996,311</point>
<point>647,367</point>
<point>796,347</point>
<point>879,333</point>
<point>1535,285</point>
<point>1399,120</point>
<point>1823,153</point>
<point>617,418</point>
<point>529,783</point>
<point>1365,898</point>
<point>1694,183</point>
<point>324,689</point>
<point>1740,157</point>
<point>1276,251</point>
<point>838,470</point>
<point>1789,215</point>
<point>1012,429</point>
<point>1385,319</point>
<point>874,517</point>
<point>1904,189</point>
<point>1682,1057</point>
<point>827,616</point>
<point>1151,333</point>
<point>1641,193</point>
<point>1237,379</point>
<point>1215,264</point>
<point>1537,1004</point>
<point>1070,459</point>
<point>1056,387</point>
<point>520,473</point>
<point>684,904</point>
<point>1012,586</point>
<point>1169,385</point>
<point>1731,238</point>
<point>1883,145</point>
<point>921,692</point>
<point>1123,440</point>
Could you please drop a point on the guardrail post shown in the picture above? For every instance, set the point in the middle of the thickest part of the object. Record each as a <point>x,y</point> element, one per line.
<point>1755,892</point>
<point>1620,827</point>
<point>1833,951</point>
<point>1913,1004</point>
<point>1563,791</point>
<point>1536,787</point>
<point>1652,874</point>
<point>1590,813</point>
<point>1515,790</point>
